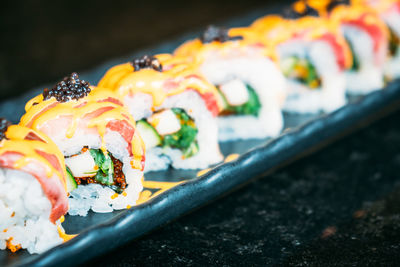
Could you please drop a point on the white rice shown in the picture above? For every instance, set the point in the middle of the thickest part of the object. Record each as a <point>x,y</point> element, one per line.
<point>269,84</point>
<point>158,158</point>
<point>332,93</point>
<point>22,195</point>
<point>392,67</point>
<point>97,197</point>
<point>392,19</point>
<point>370,76</point>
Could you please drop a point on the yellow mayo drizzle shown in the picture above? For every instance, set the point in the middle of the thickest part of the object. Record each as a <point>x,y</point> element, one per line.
<point>228,158</point>
<point>63,235</point>
<point>273,28</point>
<point>146,195</point>
<point>277,30</point>
<point>61,231</point>
<point>380,6</point>
<point>197,51</point>
<point>202,172</point>
<point>231,157</point>
<point>15,143</point>
<point>123,80</point>
<point>45,110</point>
<point>355,12</point>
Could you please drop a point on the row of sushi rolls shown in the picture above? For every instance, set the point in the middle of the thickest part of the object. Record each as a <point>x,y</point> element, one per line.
<point>81,147</point>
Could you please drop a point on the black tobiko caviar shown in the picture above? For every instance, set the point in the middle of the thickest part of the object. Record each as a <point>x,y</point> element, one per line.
<point>146,62</point>
<point>335,3</point>
<point>71,87</point>
<point>218,34</point>
<point>4,124</point>
<point>291,13</point>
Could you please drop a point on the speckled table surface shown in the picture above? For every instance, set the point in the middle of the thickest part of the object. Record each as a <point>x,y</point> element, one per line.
<point>339,206</point>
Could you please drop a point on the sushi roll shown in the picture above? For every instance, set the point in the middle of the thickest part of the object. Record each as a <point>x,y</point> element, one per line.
<point>33,190</point>
<point>389,11</point>
<point>313,58</point>
<point>252,87</point>
<point>104,155</point>
<point>368,38</point>
<point>175,110</point>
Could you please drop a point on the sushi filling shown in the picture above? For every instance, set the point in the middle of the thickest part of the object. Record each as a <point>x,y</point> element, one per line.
<point>356,62</point>
<point>94,166</point>
<point>239,99</point>
<point>394,43</point>
<point>301,70</point>
<point>170,128</point>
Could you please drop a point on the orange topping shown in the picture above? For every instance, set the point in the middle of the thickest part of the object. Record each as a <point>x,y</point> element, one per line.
<point>277,30</point>
<point>231,157</point>
<point>202,172</point>
<point>65,237</point>
<point>33,150</point>
<point>11,247</point>
<point>252,42</point>
<point>98,111</point>
<point>177,76</point>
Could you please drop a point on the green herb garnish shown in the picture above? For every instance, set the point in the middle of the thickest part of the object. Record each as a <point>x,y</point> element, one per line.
<point>302,70</point>
<point>185,138</point>
<point>106,167</point>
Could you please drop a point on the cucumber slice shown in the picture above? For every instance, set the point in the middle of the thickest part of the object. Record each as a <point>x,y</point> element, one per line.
<point>149,135</point>
<point>192,150</point>
<point>287,65</point>
<point>71,183</point>
<point>224,103</point>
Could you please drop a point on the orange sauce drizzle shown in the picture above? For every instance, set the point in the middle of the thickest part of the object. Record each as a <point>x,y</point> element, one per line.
<point>16,143</point>
<point>63,235</point>
<point>359,12</point>
<point>380,6</point>
<point>178,75</point>
<point>39,111</point>
<point>61,231</point>
<point>146,195</point>
<point>231,157</point>
<point>228,158</point>
<point>277,30</point>
<point>197,51</point>
<point>202,172</point>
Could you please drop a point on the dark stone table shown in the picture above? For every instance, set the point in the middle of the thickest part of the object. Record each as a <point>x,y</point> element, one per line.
<point>339,206</point>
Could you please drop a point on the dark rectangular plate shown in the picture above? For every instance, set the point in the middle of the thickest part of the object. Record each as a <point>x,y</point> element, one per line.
<point>302,134</point>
